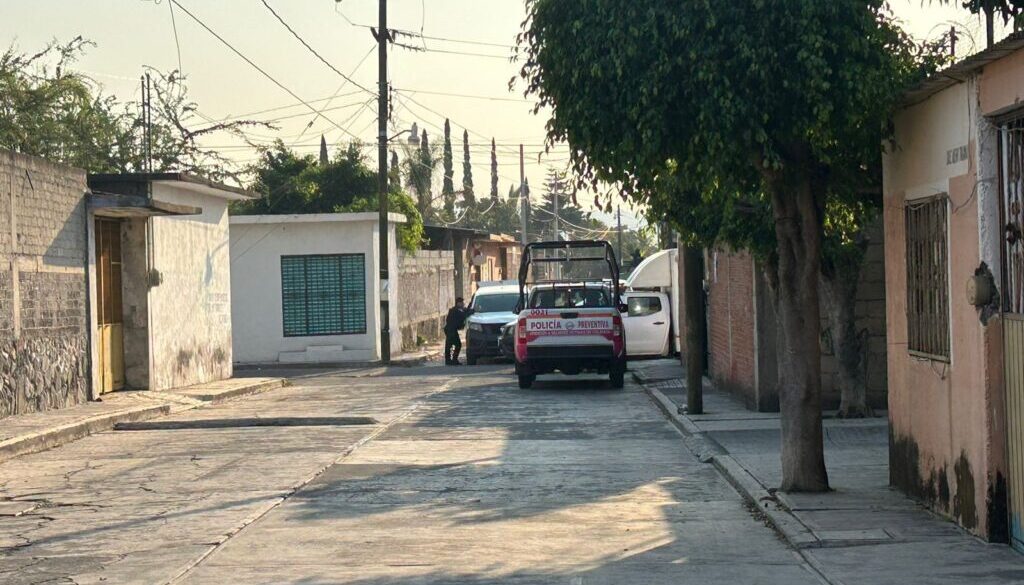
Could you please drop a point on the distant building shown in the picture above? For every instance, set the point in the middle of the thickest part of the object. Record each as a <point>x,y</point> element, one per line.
<point>479,255</point>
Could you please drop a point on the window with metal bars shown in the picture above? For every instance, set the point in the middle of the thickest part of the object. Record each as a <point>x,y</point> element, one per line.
<point>928,278</point>
<point>323,295</point>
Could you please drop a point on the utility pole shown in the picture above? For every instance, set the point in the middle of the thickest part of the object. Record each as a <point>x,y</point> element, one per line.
<point>693,303</point>
<point>524,206</point>
<point>554,231</point>
<point>619,222</point>
<point>383,36</point>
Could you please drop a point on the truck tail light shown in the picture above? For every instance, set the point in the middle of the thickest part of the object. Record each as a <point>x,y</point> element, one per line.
<point>521,341</point>
<point>618,341</point>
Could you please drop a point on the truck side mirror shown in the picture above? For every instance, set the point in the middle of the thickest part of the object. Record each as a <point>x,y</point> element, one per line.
<point>624,309</point>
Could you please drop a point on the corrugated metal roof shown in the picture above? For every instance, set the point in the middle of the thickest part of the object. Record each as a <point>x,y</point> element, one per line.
<point>962,71</point>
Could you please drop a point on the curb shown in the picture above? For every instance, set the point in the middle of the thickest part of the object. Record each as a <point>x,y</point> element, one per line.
<point>60,435</point>
<point>398,362</point>
<point>784,522</point>
<point>218,397</point>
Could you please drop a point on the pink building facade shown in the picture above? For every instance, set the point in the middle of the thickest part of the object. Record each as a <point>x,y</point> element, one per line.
<point>952,204</point>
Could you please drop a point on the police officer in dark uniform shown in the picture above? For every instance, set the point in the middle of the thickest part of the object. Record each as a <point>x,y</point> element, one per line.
<point>453,323</point>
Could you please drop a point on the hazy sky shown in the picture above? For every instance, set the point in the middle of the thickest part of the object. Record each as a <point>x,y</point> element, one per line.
<point>131,34</point>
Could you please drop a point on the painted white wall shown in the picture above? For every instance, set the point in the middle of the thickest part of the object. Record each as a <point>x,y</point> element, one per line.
<point>257,245</point>
<point>189,311</point>
<point>918,163</point>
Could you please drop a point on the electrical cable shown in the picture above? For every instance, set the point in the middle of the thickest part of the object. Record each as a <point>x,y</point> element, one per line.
<point>255,66</point>
<point>337,91</point>
<point>313,51</point>
<point>177,43</point>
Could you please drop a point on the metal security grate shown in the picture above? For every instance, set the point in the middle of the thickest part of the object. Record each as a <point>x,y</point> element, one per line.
<point>353,293</point>
<point>927,279</point>
<point>323,295</point>
<point>1012,165</point>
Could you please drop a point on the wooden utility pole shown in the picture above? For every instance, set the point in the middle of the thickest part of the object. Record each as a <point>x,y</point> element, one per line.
<point>693,300</point>
<point>383,36</point>
<point>524,206</point>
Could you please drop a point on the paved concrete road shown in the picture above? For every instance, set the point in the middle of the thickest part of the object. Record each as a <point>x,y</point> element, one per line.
<point>465,480</point>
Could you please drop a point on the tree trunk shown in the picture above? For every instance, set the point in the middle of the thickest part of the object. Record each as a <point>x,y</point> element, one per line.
<point>798,228</point>
<point>839,299</point>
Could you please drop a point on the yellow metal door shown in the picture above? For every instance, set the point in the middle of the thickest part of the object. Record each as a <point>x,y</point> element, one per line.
<point>110,334</point>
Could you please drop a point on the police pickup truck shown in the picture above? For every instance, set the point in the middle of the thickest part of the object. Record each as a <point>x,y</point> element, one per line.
<point>570,321</point>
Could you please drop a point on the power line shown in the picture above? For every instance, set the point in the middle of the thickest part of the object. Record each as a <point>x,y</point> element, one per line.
<point>447,52</point>
<point>313,51</point>
<point>337,91</point>
<point>177,43</point>
<point>287,107</point>
<point>459,41</point>
<point>255,66</point>
<point>467,96</point>
<point>414,34</point>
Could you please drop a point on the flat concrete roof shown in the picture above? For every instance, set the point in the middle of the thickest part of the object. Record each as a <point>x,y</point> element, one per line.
<point>961,71</point>
<point>369,216</point>
<point>110,182</point>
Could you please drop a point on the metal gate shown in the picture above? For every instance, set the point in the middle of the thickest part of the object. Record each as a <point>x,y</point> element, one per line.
<point>1012,209</point>
<point>109,313</point>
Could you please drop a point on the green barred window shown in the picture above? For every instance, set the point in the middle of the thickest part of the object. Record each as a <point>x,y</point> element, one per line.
<point>323,295</point>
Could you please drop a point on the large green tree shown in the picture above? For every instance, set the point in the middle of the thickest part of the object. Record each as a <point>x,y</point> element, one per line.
<point>734,109</point>
<point>291,183</point>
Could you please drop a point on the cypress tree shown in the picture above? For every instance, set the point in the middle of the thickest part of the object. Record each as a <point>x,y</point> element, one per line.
<point>425,173</point>
<point>467,171</point>
<point>448,190</point>
<point>394,176</point>
<point>494,170</point>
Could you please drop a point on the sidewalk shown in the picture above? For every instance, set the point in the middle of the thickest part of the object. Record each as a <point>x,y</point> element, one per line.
<point>863,531</point>
<point>428,354</point>
<point>31,433</point>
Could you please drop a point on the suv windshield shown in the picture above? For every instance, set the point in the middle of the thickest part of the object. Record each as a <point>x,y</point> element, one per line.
<point>570,297</point>
<point>497,303</point>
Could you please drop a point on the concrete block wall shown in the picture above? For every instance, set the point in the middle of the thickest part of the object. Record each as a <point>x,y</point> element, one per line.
<point>426,280</point>
<point>43,295</point>
<point>870,314</point>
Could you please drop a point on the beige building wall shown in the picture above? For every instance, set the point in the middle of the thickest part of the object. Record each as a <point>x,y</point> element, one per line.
<point>944,416</point>
<point>190,295</point>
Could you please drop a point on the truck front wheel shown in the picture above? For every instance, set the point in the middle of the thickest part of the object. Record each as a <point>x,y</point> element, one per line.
<point>526,381</point>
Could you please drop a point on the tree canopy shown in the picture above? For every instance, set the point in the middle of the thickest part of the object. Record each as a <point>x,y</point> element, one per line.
<point>291,183</point>
<point>49,110</point>
<point>741,122</point>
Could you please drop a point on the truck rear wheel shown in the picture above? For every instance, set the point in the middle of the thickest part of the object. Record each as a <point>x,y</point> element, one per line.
<point>618,378</point>
<point>526,381</point>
